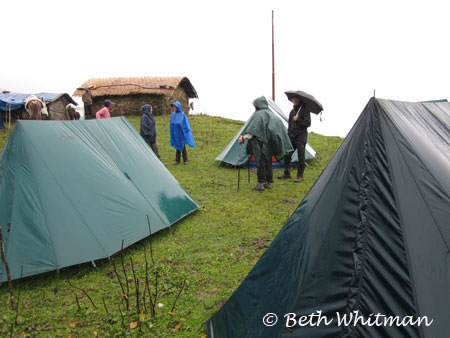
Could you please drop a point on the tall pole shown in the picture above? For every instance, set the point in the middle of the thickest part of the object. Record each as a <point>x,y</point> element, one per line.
<point>9,118</point>
<point>273,63</point>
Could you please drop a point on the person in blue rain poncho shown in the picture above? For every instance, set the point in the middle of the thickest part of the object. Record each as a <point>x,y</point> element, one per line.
<point>180,133</point>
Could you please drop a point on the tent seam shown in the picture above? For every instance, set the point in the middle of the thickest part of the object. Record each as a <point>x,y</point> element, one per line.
<point>365,225</point>
<point>4,151</point>
<point>323,242</point>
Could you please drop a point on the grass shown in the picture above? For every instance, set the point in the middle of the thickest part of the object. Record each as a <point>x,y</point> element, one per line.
<point>210,251</point>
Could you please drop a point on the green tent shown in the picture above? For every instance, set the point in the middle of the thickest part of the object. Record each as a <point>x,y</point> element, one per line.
<point>72,191</point>
<point>371,237</point>
<point>230,154</point>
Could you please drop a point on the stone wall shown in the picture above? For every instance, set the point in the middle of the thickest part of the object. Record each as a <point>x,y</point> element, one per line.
<point>178,95</point>
<point>132,104</point>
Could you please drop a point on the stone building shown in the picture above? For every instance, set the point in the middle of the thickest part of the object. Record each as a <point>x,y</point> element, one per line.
<point>131,93</point>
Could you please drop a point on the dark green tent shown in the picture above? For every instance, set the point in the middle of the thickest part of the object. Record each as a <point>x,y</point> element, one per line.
<point>230,154</point>
<point>372,235</point>
<point>72,191</point>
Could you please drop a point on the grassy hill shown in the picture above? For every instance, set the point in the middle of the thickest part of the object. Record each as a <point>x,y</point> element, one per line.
<point>198,262</point>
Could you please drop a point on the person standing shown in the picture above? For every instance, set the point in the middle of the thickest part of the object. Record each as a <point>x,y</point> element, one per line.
<point>87,100</point>
<point>299,121</point>
<point>104,113</point>
<point>180,133</point>
<point>266,137</point>
<point>148,128</point>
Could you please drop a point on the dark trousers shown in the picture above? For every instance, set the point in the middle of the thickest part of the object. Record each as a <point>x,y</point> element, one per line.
<point>264,168</point>
<point>154,147</point>
<point>178,155</point>
<point>300,146</point>
<point>88,111</point>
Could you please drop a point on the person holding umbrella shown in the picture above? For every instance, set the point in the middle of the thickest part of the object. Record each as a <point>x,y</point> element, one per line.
<point>299,121</point>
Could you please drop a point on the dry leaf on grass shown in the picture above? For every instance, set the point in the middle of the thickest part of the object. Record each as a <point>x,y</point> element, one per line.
<point>177,327</point>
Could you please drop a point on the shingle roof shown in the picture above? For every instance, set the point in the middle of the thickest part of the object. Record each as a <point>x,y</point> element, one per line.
<point>136,85</point>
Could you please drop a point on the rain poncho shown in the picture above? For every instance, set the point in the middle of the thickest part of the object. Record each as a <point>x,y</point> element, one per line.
<point>266,127</point>
<point>180,131</point>
<point>148,129</point>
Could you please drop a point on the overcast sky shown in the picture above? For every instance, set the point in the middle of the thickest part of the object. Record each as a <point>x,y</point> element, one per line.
<point>338,51</point>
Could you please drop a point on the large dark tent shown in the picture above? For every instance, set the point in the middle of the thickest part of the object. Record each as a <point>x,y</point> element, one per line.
<point>72,191</point>
<point>371,238</point>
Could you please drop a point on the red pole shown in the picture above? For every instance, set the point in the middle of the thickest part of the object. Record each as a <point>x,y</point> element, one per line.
<point>273,63</point>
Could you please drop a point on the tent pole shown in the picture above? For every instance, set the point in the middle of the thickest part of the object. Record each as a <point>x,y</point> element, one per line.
<point>239,175</point>
<point>9,118</point>
<point>273,63</point>
<point>239,166</point>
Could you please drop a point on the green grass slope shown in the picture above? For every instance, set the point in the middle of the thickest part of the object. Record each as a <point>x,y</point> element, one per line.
<point>197,263</point>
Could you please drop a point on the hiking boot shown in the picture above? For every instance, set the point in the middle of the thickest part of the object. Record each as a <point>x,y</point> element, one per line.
<point>284,176</point>
<point>298,179</point>
<point>259,187</point>
<point>267,186</point>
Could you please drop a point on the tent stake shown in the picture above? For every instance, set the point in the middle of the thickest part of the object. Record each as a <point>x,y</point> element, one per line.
<point>149,228</point>
<point>239,166</point>
<point>57,279</point>
<point>9,123</point>
<point>239,176</point>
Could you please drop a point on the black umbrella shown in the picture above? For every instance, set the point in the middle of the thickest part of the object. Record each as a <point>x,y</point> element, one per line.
<point>313,105</point>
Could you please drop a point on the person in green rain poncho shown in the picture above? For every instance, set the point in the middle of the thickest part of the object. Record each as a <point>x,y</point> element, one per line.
<point>266,136</point>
